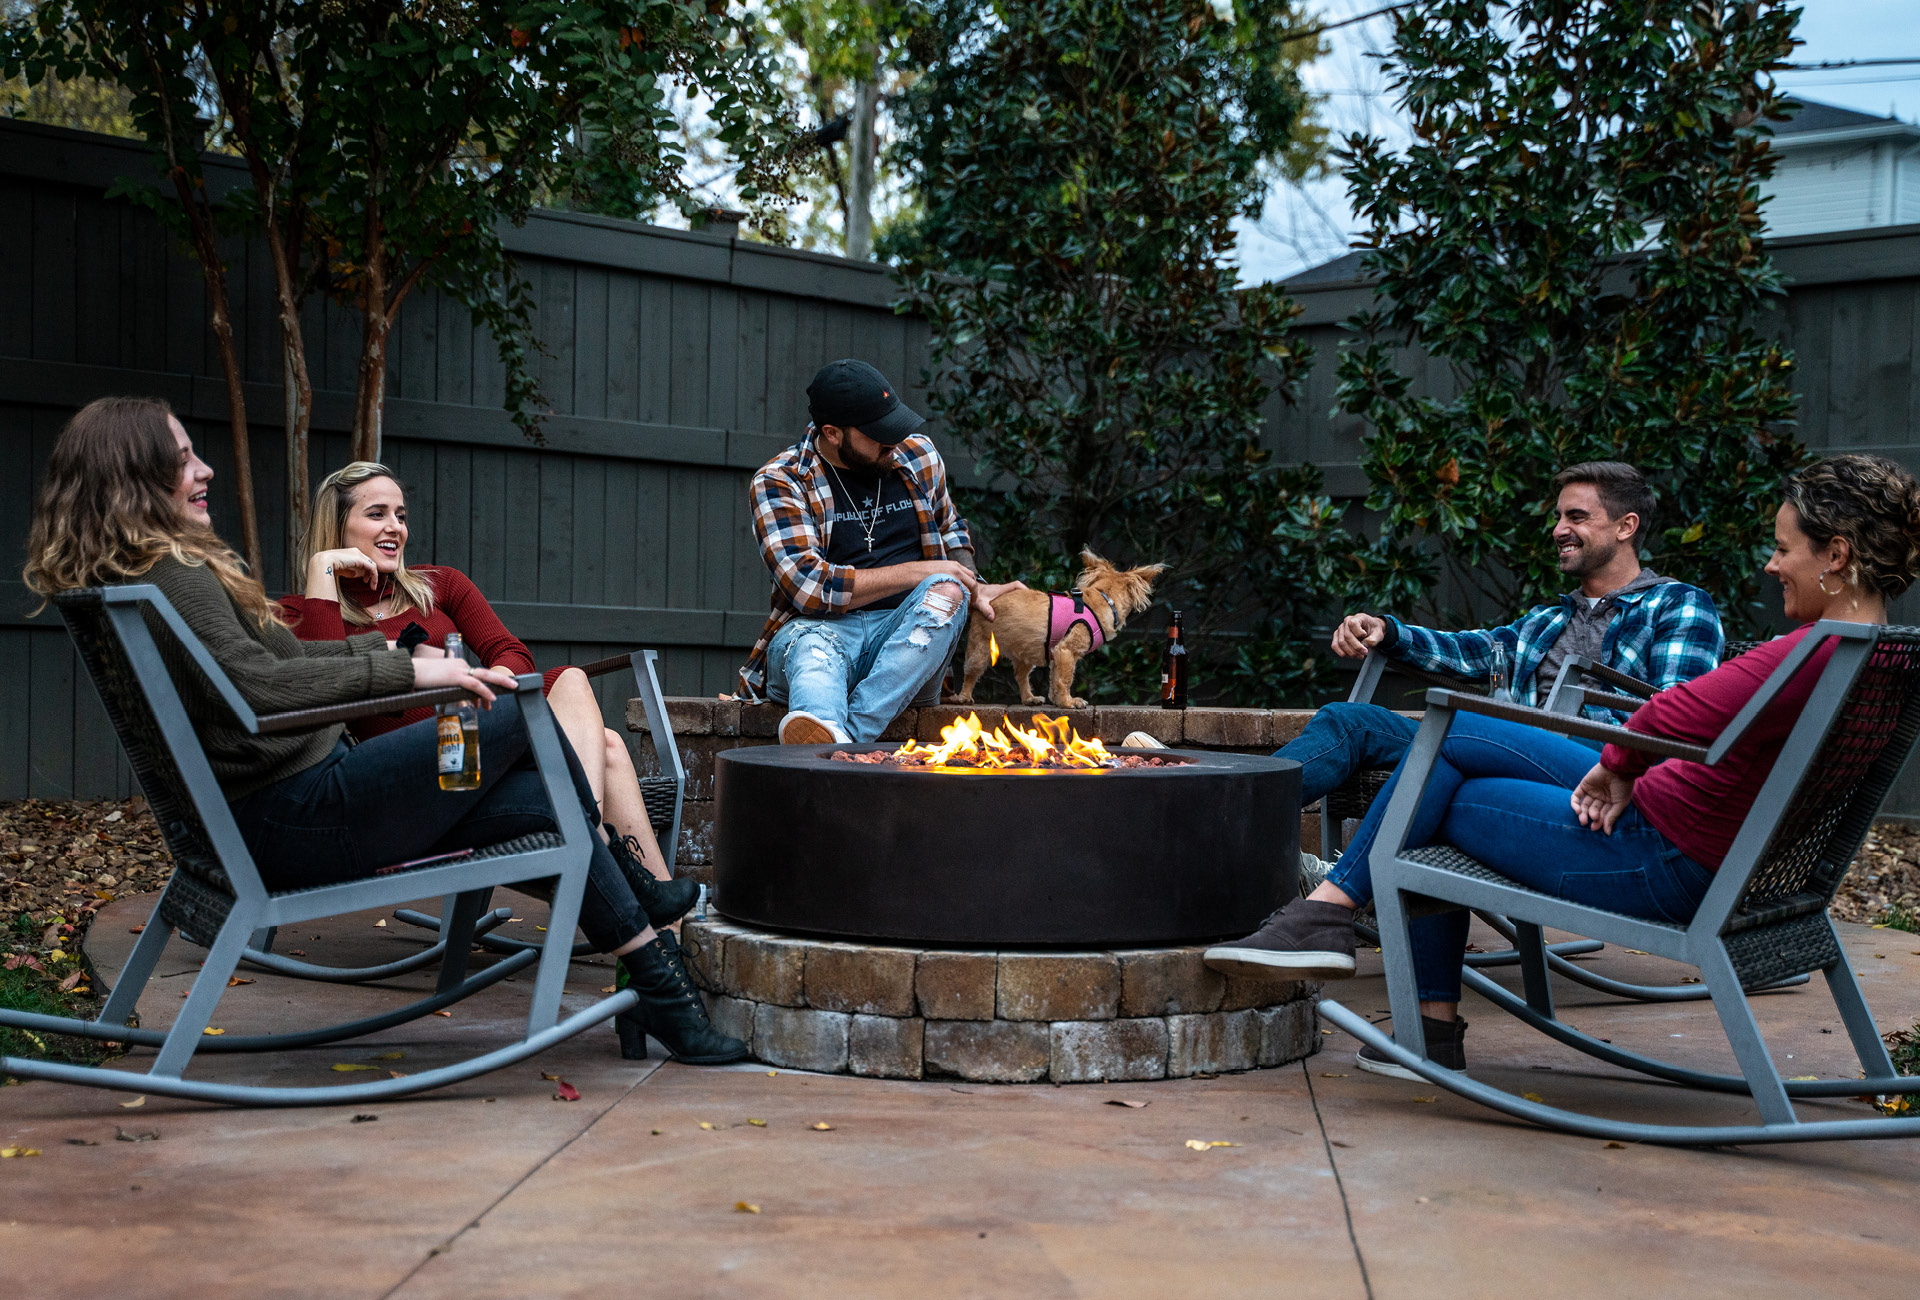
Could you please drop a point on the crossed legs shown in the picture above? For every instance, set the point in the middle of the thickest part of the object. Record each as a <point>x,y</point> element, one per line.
<point>609,767</point>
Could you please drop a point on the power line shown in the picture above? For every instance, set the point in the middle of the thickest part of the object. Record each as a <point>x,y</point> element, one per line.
<point>1847,63</point>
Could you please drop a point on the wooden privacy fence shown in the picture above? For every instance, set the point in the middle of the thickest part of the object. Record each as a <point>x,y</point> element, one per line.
<point>675,364</point>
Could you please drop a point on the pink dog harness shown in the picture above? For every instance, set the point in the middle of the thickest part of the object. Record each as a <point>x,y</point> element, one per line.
<point>1067,610</point>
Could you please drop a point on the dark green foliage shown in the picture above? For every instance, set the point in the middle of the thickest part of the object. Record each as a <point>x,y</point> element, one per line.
<point>1078,164</point>
<point>1575,230</point>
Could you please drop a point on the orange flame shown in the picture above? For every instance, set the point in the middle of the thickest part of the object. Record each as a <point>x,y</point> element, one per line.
<point>1050,743</point>
<point>993,651</point>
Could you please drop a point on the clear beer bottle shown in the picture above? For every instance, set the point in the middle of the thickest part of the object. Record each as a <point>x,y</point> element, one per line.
<point>458,726</point>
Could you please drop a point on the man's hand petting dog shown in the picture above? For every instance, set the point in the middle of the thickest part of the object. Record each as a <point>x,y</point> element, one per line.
<point>1357,634</point>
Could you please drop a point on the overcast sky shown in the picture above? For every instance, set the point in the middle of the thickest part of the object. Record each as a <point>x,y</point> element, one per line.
<point>1306,225</point>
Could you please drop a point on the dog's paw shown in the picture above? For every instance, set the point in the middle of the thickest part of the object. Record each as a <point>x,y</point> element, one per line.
<point>1032,700</point>
<point>951,698</point>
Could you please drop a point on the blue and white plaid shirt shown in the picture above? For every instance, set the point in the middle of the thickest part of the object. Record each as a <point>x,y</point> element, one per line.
<point>1663,634</point>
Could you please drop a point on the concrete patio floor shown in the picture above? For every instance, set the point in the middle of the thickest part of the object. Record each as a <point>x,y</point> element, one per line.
<point>1337,1184</point>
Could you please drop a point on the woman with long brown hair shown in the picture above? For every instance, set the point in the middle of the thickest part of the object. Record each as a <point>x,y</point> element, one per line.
<point>125,500</point>
<point>358,580</point>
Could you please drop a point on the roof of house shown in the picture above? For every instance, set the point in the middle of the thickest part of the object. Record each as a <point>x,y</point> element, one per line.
<point>1813,116</point>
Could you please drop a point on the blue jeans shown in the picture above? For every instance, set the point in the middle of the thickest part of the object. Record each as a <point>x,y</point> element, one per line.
<point>379,803</point>
<point>860,669</point>
<point>1501,793</point>
<point>1343,739</point>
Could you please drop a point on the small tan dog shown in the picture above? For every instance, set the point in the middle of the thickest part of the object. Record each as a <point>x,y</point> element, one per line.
<point>1026,622</point>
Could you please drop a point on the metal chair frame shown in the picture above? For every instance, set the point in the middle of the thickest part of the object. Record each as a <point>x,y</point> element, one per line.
<point>1764,916</point>
<point>217,897</point>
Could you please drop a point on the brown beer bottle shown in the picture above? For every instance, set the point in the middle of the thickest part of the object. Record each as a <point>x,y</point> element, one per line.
<point>458,734</point>
<point>1173,667</point>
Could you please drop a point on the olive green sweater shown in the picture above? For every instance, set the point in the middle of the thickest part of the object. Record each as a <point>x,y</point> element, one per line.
<point>274,671</point>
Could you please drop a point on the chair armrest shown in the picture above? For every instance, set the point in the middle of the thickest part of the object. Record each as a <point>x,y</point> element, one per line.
<point>1609,700</point>
<point>1568,725</point>
<point>326,714</point>
<point>1619,681</point>
<point>611,664</point>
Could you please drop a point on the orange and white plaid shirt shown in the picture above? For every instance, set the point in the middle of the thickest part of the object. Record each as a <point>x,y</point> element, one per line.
<point>792,518</point>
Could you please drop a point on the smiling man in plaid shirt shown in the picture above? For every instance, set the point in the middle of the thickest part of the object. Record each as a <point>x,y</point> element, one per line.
<point>1629,618</point>
<point>872,566</point>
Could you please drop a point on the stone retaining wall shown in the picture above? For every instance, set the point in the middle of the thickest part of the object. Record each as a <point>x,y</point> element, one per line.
<point>703,727</point>
<point>992,1017</point>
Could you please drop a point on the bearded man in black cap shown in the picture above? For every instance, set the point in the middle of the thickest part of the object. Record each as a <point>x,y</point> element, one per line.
<point>872,566</point>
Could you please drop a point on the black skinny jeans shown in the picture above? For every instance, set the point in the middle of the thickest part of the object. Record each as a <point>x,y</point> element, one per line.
<point>377,803</point>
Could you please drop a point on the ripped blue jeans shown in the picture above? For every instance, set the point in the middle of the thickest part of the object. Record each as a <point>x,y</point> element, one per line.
<point>860,669</point>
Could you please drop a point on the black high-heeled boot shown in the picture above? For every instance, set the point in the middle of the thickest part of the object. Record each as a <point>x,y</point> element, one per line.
<point>664,901</point>
<point>670,1009</point>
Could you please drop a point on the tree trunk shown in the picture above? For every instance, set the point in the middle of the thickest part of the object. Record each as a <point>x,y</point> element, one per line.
<point>861,147</point>
<point>297,387</point>
<point>370,393</point>
<point>219,309</point>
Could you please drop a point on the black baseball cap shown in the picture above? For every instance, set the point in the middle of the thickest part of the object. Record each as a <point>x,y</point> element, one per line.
<point>852,394</point>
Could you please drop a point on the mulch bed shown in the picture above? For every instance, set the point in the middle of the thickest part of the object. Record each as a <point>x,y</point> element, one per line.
<point>60,862</point>
<point>1884,878</point>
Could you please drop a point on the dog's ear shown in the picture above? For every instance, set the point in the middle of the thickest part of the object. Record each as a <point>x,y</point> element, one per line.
<point>1136,586</point>
<point>1094,569</point>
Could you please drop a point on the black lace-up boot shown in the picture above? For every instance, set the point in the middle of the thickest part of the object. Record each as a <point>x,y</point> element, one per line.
<point>670,1009</point>
<point>664,901</point>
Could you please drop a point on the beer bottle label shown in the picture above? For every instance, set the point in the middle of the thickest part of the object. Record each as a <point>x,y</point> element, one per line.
<point>453,747</point>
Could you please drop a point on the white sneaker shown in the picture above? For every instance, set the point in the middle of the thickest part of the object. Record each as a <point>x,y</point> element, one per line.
<point>1313,873</point>
<point>802,728</point>
<point>1140,740</point>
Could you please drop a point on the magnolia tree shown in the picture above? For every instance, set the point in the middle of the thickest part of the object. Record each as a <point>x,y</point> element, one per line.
<point>1576,231</point>
<point>1079,165</point>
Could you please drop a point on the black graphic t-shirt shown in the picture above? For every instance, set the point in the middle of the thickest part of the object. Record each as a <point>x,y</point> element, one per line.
<point>879,504</point>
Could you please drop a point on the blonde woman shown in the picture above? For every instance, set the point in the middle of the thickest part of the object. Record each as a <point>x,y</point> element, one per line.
<point>125,500</point>
<point>358,580</point>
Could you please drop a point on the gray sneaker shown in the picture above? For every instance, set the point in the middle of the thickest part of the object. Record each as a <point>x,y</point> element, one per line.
<point>1313,873</point>
<point>1445,1046</point>
<point>1303,940</point>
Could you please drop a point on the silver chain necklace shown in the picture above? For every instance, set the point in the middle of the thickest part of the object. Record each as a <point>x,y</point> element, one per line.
<point>868,523</point>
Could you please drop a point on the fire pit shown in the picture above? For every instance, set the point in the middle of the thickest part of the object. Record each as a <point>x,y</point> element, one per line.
<point>1073,845</point>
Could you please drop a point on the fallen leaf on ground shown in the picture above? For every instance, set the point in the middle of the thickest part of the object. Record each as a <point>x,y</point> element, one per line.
<point>234,981</point>
<point>707,1126</point>
<point>364,1119</point>
<point>447,1014</point>
<point>347,1067</point>
<point>771,1073</point>
<point>1121,1101</point>
<point>401,1074</point>
<point>1195,1144</point>
<point>758,1123</point>
<point>124,1136</point>
<point>1426,1099</point>
<point>296,952</point>
<point>136,929</point>
<point>381,924</point>
<point>611,988</point>
<point>388,1056</point>
<point>82,1142</point>
<point>129,1105</point>
<point>1328,1075</point>
<point>564,1091</point>
<point>541,928</point>
<point>1421,1200</point>
<point>1638,952</point>
<point>1343,1145</point>
<point>550,1078</point>
<point>1803,1078</point>
<point>739,1207</point>
<point>66,985</point>
<point>212,1032</point>
<point>656,1132</point>
<point>821,1127</point>
<point>10,1153</point>
<point>1614,1146</point>
<point>1533,1096</point>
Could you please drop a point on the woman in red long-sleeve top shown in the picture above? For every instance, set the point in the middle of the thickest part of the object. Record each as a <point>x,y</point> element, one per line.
<point>358,579</point>
<point>1631,834</point>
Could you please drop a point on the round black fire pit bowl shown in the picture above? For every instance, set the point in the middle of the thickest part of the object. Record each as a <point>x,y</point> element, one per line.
<point>1114,858</point>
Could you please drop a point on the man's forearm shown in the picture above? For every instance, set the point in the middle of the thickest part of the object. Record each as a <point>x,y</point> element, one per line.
<point>870,585</point>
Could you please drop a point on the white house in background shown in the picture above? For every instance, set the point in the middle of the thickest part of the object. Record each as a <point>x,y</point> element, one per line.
<point>1842,170</point>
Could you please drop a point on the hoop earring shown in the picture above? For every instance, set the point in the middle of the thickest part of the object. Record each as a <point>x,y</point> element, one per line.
<point>1822,584</point>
